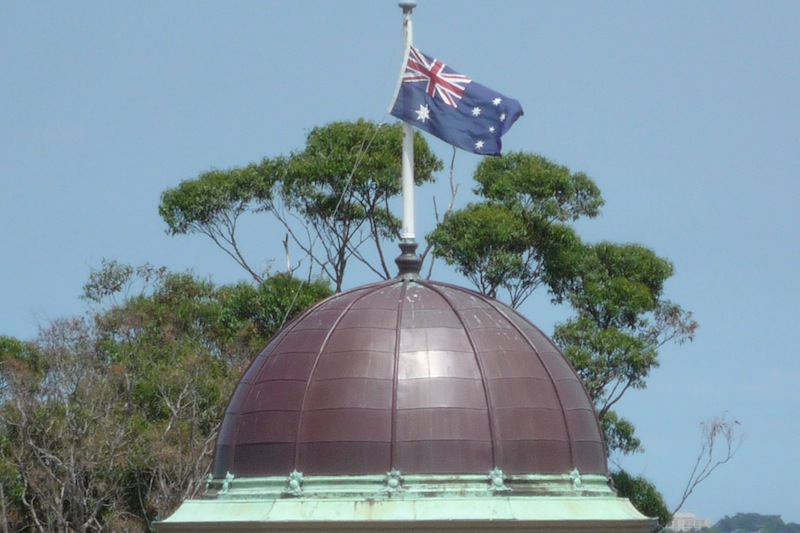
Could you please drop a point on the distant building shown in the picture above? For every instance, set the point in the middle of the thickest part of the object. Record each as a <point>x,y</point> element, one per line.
<point>688,522</point>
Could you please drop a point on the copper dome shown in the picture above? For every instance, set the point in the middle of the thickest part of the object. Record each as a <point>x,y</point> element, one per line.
<point>411,375</point>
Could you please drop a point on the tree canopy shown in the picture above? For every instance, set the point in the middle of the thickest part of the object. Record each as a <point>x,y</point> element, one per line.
<point>108,421</point>
<point>517,239</point>
<point>332,198</point>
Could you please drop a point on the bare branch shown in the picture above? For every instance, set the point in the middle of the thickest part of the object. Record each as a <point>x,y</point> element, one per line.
<point>720,442</point>
<point>450,206</point>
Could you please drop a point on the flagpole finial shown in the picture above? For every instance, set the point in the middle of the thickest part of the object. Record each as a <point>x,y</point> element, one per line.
<point>408,5</point>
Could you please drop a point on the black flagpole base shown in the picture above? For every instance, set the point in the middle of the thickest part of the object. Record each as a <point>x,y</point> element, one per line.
<point>408,263</point>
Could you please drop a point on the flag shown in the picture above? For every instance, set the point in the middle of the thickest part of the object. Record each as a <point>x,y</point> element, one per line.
<point>449,105</point>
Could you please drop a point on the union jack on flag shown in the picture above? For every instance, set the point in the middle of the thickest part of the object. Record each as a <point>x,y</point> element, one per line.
<point>449,105</point>
<point>447,85</point>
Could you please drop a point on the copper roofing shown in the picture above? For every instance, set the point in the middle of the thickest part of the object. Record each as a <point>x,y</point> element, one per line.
<point>411,375</point>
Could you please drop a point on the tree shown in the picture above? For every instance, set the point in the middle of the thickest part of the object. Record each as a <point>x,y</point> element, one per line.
<point>717,432</point>
<point>751,522</point>
<point>15,355</point>
<point>213,203</point>
<point>67,434</point>
<point>332,197</point>
<point>518,238</point>
<point>108,421</point>
<point>643,495</point>
<point>185,344</point>
<point>622,321</point>
<point>340,186</point>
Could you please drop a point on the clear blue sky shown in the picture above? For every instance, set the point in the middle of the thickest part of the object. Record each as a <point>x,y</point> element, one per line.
<point>687,114</point>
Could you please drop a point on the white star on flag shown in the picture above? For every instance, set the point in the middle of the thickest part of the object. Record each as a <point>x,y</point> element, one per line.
<point>423,113</point>
<point>476,111</point>
<point>478,145</point>
<point>497,101</point>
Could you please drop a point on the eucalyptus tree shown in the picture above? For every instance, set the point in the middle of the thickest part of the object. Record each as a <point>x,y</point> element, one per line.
<point>332,198</point>
<point>622,320</point>
<point>518,238</point>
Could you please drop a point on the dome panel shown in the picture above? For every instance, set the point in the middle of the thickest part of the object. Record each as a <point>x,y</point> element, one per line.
<point>433,425</point>
<point>369,318</point>
<point>424,338</point>
<point>445,457</point>
<point>356,364</point>
<point>258,428</point>
<point>523,393</point>
<point>251,460</point>
<point>346,425</point>
<point>582,424</point>
<point>440,393</point>
<point>360,339</point>
<point>349,393</point>
<point>287,366</point>
<point>342,458</point>
<point>509,364</point>
<point>548,457</point>
<point>274,395</point>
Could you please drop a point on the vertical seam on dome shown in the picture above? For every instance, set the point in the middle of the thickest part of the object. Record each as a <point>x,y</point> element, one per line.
<point>549,374</point>
<point>278,338</point>
<point>369,290</point>
<point>396,377</point>
<point>497,446</point>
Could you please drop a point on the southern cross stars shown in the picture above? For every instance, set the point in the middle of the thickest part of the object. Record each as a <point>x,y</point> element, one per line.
<point>477,111</point>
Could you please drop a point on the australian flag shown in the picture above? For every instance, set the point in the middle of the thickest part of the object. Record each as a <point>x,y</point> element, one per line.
<point>435,98</point>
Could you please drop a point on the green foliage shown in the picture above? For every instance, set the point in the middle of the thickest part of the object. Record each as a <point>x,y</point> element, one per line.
<point>332,197</point>
<point>340,186</point>
<point>608,360</point>
<point>268,306</point>
<point>753,523</point>
<point>349,169</point>
<point>538,186</point>
<point>216,197</point>
<point>620,434</point>
<point>621,323</point>
<point>111,421</point>
<point>643,495</point>
<point>617,283</point>
<point>518,238</point>
<point>486,242</point>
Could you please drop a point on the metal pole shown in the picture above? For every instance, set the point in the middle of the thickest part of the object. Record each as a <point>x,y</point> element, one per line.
<point>409,263</point>
<point>408,230</point>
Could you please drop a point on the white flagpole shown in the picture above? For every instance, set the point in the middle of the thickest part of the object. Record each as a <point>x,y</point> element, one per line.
<point>409,262</point>
<point>408,232</point>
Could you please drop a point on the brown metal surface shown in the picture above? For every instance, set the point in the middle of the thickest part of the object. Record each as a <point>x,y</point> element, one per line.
<point>416,376</point>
